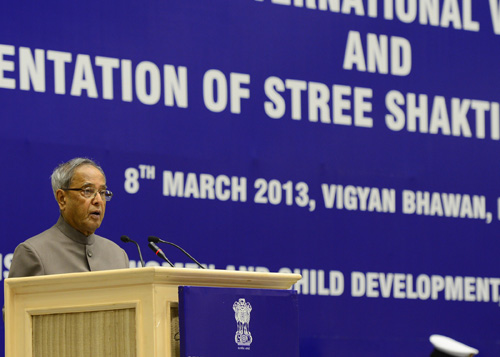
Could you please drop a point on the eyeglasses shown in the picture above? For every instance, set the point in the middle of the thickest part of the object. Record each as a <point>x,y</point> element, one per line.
<point>90,192</point>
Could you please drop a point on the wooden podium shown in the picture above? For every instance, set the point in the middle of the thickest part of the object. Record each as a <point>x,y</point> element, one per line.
<point>127,312</point>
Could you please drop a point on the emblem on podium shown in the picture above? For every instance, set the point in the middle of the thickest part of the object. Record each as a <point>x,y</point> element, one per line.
<point>242,311</point>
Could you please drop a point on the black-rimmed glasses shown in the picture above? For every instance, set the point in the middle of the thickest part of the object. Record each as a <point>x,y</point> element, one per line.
<point>90,192</point>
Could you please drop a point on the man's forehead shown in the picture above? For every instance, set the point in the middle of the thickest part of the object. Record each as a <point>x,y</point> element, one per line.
<point>88,175</point>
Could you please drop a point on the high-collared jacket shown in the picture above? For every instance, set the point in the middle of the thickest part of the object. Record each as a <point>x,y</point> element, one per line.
<point>63,249</point>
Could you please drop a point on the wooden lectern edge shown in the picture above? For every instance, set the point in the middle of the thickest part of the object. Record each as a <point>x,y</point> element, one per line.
<point>150,275</point>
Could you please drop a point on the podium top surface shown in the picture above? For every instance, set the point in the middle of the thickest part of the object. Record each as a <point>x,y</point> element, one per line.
<point>151,276</point>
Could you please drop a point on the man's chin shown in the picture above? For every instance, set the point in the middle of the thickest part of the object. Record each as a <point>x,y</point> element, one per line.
<point>90,229</point>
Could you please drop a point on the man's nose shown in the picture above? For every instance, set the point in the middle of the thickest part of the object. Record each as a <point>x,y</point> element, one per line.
<point>97,199</point>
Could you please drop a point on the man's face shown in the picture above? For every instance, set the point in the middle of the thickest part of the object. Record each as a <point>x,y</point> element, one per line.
<point>83,214</point>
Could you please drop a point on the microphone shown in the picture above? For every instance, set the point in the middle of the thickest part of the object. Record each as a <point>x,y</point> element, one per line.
<point>159,252</point>
<point>126,239</point>
<point>153,239</point>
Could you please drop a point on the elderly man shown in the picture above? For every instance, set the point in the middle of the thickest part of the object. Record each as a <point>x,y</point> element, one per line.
<point>70,246</point>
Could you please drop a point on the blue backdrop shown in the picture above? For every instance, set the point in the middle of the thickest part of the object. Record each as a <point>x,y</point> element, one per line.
<point>354,142</point>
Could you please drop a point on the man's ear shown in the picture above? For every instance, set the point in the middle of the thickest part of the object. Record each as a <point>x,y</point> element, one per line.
<point>61,199</point>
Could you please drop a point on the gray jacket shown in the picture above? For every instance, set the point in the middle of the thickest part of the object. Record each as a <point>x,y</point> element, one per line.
<point>62,249</point>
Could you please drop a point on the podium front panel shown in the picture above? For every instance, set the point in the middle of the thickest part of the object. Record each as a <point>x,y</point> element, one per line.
<point>91,333</point>
<point>230,322</point>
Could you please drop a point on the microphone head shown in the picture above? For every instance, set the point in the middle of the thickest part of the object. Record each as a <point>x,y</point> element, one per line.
<point>153,239</point>
<point>125,239</point>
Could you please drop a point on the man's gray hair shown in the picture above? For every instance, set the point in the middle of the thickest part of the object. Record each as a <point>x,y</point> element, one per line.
<point>63,174</point>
